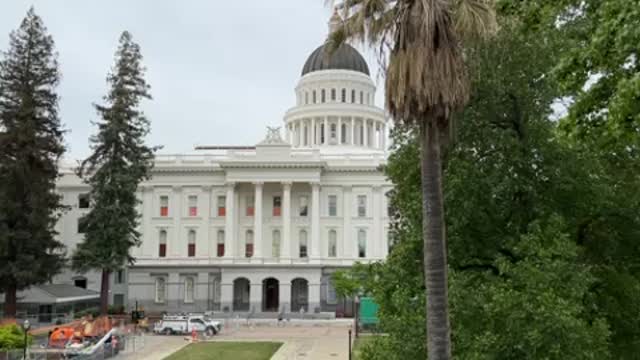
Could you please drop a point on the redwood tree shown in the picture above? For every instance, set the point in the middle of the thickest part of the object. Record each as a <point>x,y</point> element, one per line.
<point>31,144</point>
<point>120,160</point>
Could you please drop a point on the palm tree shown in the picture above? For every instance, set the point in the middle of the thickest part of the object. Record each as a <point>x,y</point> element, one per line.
<point>420,45</point>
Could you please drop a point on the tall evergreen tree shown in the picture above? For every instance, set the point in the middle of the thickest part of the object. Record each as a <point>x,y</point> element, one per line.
<point>120,160</point>
<point>31,143</point>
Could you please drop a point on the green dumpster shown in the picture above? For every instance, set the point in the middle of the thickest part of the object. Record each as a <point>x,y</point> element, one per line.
<point>368,311</point>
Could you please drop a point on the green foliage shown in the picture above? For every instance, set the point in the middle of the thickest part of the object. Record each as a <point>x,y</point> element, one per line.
<point>12,337</point>
<point>31,144</point>
<point>119,162</point>
<point>542,229</point>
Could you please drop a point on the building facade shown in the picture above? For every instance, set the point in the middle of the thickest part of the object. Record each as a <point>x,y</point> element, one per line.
<point>260,229</point>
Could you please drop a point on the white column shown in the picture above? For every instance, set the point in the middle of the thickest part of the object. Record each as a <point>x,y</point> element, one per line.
<point>365,132</point>
<point>315,220</point>
<point>353,131</point>
<point>347,232</point>
<point>257,221</point>
<point>286,220</point>
<point>326,130</point>
<point>377,223</point>
<point>340,130</point>
<point>229,246</point>
<point>205,247</point>
<point>384,137</point>
<point>299,133</point>
<point>255,296</point>
<point>285,295</point>
<point>177,247</point>
<point>313,131</point>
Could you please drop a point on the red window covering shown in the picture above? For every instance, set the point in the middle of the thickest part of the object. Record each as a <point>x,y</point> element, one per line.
<point>164,211</point>
<point>220,250</point>
<point>276,211</point>
<point>248,251</point>
<point>193,211</point>
<point>192,250</point>
<point>250,211</point>
<point>222,211</point>
<point>163,250</point>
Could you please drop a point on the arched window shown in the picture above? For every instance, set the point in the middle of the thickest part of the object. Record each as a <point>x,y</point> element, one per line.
<point>343,96</point>
<point>333,94</point>
<point>189,289</point>
<point>362,243</point>
<point>275,244</point>
<point>323,95</point>
<point>220,242</point>
<point>314,96</point>
<point>333,243</point>
<point>248,247</point>
<point>344,134</point>
<point>162,250</point>
<point>160,290</point>
<point>353,96</point>
<point>192,243</point>
<point>303,244</point>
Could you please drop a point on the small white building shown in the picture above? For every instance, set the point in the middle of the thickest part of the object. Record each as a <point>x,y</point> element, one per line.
<point>260,229</point>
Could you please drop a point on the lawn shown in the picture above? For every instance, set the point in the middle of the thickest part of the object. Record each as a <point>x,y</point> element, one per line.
<point>224,350</point>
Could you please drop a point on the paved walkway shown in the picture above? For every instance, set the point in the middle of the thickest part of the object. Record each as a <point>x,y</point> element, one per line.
<point>309,342</point>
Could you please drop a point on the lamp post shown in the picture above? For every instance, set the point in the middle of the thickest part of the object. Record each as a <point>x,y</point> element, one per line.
<point>25,327</point>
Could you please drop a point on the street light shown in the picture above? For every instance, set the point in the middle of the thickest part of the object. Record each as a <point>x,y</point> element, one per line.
<point>25,327</point>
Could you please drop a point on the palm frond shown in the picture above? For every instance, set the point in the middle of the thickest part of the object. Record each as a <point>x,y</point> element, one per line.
<point>475,18</point>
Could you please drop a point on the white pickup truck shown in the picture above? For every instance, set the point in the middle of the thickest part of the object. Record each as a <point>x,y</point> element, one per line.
<point>185,324</point>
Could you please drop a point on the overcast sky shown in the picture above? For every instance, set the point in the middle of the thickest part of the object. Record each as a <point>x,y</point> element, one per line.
<point>220,71</point>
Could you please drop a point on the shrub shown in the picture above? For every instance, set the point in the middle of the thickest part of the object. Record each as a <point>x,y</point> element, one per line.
<point>12,337</point>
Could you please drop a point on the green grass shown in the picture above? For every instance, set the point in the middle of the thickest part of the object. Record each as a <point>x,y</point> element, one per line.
<point>224,350</point>
<point>359,343</point>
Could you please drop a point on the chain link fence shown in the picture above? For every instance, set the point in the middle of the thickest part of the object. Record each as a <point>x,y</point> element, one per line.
<point>128,344</point>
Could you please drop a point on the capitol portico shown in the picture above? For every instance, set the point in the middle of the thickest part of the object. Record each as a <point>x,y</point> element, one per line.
<point>261,229</point>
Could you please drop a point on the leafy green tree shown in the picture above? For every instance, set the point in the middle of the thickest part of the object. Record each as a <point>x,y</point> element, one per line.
<point>31,144</point>
<point>516,192</point>
<point>119,162</point>
<point>425,82</point>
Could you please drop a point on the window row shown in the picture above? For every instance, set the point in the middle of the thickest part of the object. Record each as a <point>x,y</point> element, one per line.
<point>331,95</point>
<point>189,285</point>
<point>303,205</point>
<point>332,244</point>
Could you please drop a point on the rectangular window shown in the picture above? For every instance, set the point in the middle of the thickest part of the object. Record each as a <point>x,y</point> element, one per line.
<point>189,288</point>
<point>332,297</point>
<point>250,206</point>
<point>83,201</point>
<point>353,96</point>
<point>162,241</point>
<point>164,206</point>
<point>361,97</point>
<point>277,205</point>
<point>119,277</point>
<point>82,225</point>
<point>220,243</point>
<point>343,96</point>
<point>362,244</point>
<point>118,300</point>
<point>333,205</point>
<point>362,205</point>
<point>193,205</point>
<point>191,247</point>
<point>334,131</point>
<point>222,205</point>
<point>333,94</point>
<point>160,290</point>
<point>304,206</point>
<point>322,96</point>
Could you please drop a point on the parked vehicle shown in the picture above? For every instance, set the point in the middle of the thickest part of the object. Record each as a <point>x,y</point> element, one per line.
<point>186,323</point>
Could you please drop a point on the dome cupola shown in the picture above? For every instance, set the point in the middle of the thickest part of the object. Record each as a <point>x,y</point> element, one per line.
<point>343,58</point>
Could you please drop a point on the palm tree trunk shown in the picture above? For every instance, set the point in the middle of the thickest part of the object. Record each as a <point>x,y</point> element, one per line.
<point>435,253</point>
<point>104,293</point>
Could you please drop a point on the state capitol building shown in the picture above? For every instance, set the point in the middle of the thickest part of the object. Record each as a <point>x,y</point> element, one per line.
<point>260,229</point>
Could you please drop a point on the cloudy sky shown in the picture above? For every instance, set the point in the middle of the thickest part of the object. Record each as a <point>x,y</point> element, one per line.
<point>220,71</point>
